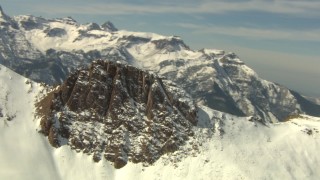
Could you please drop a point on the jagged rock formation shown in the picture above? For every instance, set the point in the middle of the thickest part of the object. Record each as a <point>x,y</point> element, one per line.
<point>119,112</point>
<point>48,50</point>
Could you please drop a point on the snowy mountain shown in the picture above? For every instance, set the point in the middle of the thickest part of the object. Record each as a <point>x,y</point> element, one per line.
<point>223,146</point>
<point>136,105</point>
<point>48,50</point>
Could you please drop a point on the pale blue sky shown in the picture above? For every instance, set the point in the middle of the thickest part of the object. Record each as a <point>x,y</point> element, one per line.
<point>280,39</point>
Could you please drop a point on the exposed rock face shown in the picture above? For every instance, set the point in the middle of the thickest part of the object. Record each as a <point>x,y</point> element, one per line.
<point>223,82</point>
<point>119,112</point>
<point>108,26</point>
<point>55,32</point>
<point>170,45</point>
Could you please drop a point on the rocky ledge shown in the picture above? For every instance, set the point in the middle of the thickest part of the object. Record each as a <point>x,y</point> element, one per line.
<point>117,112</point>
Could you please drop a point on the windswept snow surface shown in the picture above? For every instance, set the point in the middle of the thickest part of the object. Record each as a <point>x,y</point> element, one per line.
<point>228,147</point>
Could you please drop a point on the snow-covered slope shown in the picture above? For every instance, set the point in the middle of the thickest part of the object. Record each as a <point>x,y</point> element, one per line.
<point>313,99</point>
<point>223,147</point>
<point>23,153</point>
<point>235,148</point>
<point>48,50</point>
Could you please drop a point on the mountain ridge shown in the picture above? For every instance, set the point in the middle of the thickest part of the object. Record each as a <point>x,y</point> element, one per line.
<point>49,50</point>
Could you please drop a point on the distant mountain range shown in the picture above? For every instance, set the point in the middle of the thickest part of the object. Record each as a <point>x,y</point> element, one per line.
<point>48,50</point>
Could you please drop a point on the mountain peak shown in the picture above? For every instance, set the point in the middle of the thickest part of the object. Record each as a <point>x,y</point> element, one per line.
<point>67,20</point>
<point>170,44</point>
<point>119,112</point>
<point>3,16</point>
<point>6,21</point>
<point>1,11</point>
<point>108,26</point>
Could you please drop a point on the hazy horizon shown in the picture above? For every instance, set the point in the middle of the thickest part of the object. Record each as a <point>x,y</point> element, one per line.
<point>280,40</point>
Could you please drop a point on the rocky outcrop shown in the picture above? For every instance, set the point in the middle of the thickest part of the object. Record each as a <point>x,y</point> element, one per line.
<point>108,26</point>
<point>118,112</point>
<point>170,45</point>
<point>55,32</point>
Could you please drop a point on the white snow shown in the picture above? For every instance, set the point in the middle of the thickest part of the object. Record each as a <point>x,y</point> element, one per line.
<point>229,147</point>
<point>73,40</point>
<point>24,152</point>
